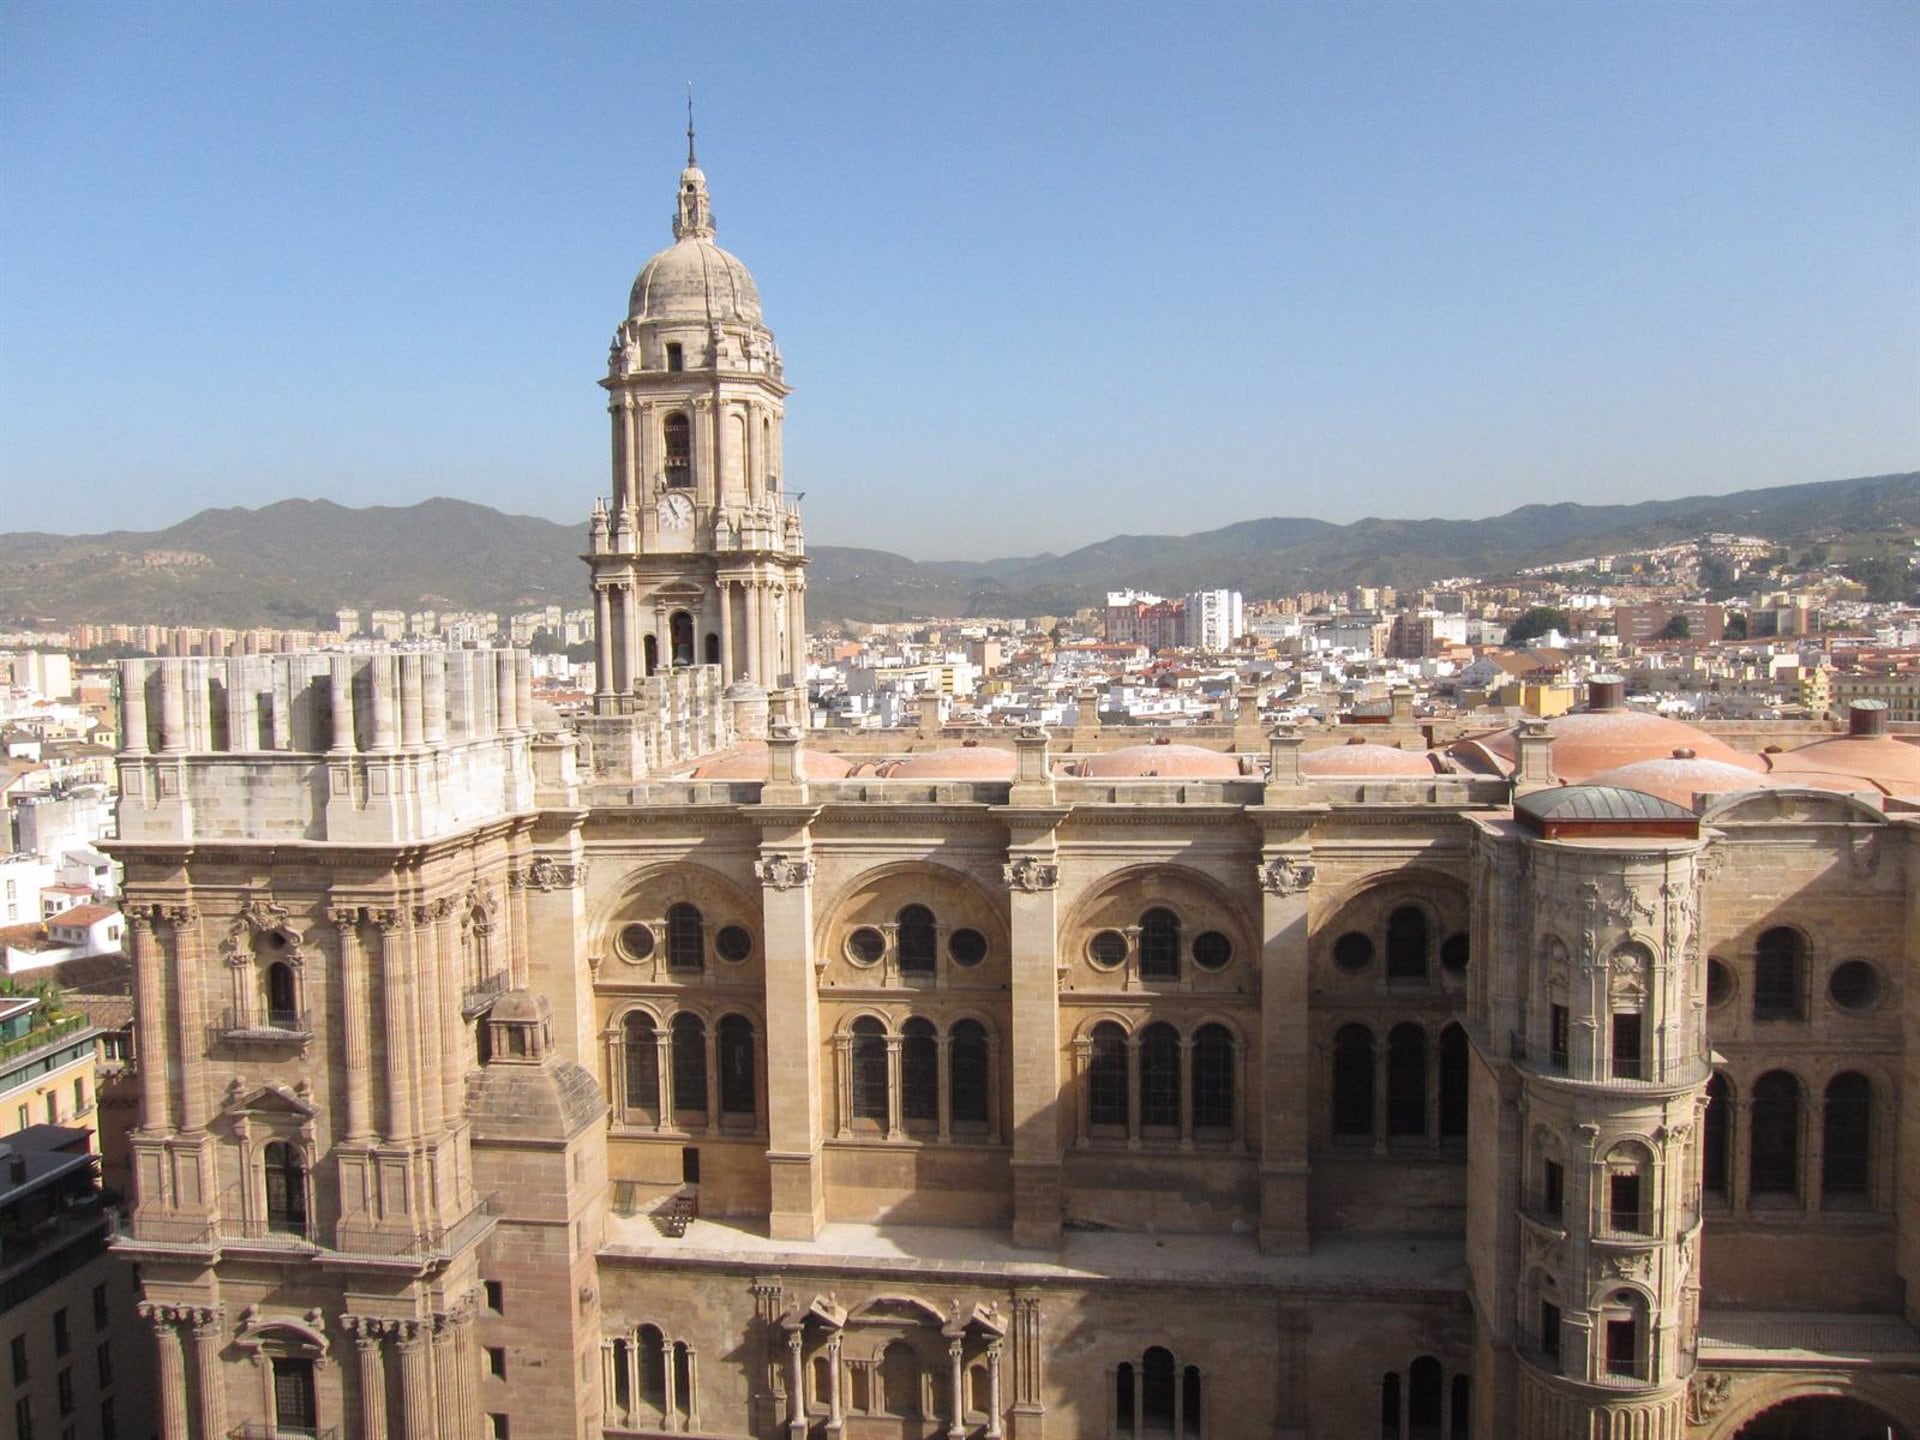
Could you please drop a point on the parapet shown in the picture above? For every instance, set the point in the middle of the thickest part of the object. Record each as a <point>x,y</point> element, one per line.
<point>376,748</point>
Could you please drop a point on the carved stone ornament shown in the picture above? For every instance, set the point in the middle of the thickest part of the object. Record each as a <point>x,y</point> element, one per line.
<point>783,872</point>
<point>546,875</point>
<point>1708,1393</point>
<point>1030,873</point>
<point>1632,1265</point>
<point>1286,876</point>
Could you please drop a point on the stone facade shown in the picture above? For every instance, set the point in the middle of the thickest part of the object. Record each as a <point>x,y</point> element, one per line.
<point>580,1083</point>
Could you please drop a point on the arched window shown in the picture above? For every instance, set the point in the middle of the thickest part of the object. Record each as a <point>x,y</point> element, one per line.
<point>1775,1141</point>
<point>1159,945</point>
<point>686,938</point>
<point>919,1072</point>
<point>1424,1398</point>
<point>1123,1398</point>
<point>283,997</point>
<point>1629,1197</point>
<point>1779,975</point>
<point>689,1063</point>
<point>1157,1389</point>
<point>1107,1075</point>
<point>1407,1080</point>
<point>1716,1139</point>
<point>679,437</point>
<point>680,629</point>
<point>900,1380</point>
<point>1407,944</point>
<point>1846,1137</point>
<point>1160,1077</point>
<point>869,1065</point>
<point>713,648</point>
<point>653,1367</point>
<point>652,648</point>
<point>286,1189</point>
<point>643,1064</point>
<point>1625,1315</point>
<point>735,1063</point>
<point>1353,1081</point>
<point>916,940</point>
<point>1212,1082</point>
<point>1390,1406</point>
<point>1453,1082</point>
<point>967,1076</point>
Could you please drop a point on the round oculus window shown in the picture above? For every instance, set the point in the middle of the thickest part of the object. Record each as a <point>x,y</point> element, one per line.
<point>967,947</point>
<point>866,945</point>
<point>1353,951</point>
<point>1854,985</point>
<point>1212,950</point>
<point>636,941</point>
<point>1107,949</point>
<point>734,943</point>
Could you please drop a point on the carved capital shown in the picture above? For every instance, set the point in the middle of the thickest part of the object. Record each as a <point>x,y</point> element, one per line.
<point>1286,876</point>
<point>344,917</point>
<point>783,872</point>
<point>209,1322</point>
<point>387,920</point>
<point>178,916</point>
<point>546,874</point>
<point>1029,873</point>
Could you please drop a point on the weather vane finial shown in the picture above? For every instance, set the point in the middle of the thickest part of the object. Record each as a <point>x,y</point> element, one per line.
<point>690,160</point>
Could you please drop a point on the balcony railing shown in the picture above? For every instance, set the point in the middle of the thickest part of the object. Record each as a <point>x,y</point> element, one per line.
<point>267,1430</point>
<point>275,1027</point>
<point>476,998</point>
<point>1543,1060</point>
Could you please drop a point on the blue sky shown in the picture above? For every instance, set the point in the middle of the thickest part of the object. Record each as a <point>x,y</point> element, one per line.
<point>1041,273</point>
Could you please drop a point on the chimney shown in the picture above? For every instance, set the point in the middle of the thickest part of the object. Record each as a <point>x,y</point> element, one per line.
<point>1533,762</point>
<point>1866,718</point>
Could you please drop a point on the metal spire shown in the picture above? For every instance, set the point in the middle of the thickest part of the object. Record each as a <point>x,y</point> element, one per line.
<point>691,162</point>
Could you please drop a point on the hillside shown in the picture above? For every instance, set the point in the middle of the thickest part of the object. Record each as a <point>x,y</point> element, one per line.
<point>292,562</point>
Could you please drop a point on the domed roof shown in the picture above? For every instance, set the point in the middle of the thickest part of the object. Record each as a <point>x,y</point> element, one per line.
<point>957,762</point>
<point>747,760</point>
<point>1162,758</point>
<point>694,279</point>
<point>1876,761</point>
<point>1589,741</point>
<point>1365,757</point>
<point>1680,777</point>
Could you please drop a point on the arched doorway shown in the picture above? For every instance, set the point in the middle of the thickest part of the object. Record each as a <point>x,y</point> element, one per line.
<point>1823,1417</point>
<point>681,626</point>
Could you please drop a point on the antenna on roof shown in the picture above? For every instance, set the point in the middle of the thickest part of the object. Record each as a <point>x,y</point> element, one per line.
<point>690,160</point>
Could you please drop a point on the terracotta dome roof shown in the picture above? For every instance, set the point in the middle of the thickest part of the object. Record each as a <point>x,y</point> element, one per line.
<point>748,761</point>
<point>1590,741</point>
<point>957,762</point>
<point>1159,759</point>
<point>1365,757</point>
<point>1680,777</point>
<point>1876,761</point>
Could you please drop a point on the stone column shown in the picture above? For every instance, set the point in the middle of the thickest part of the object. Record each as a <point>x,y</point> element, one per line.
<point>755,671</point>
<point>797,631</point>
<point>602,641</point>
<point>957,1380</point>
<point>171,1375</point>
<point>422,959</point>
<point>453,1059</point>
<point>340,693</point>
<point>418,1420</point>
<point>1032,877</point>
<point>796,1387</point>
<point>668,1417</point>
<point>894,1125</point>
<point>433,699</point>
<point>728,672</point>
<point>1186,1092</point>
<point>1286,1059</point>
<point>1028,1408</point>
<point>353,1002</point>
<point>150,1028</point>
<point>835,1413</point>
<point>173,707</point>
<point>189,1002</point>
<point>446,1380</point>
<point>993,1389</point>
<point>412,712</point>
<point>209,1378</point>
<point>395,998</point>
<point>371,1361</point>
<point>386,721</point>
<point>133,707</point>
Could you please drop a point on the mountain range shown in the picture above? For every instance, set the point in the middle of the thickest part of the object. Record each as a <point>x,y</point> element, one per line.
<point>291,563</point>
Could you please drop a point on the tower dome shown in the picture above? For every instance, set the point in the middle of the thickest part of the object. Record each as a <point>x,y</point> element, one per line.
<point>693,278</point>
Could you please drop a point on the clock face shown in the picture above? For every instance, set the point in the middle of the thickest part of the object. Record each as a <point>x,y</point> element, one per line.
<point>676,512</point>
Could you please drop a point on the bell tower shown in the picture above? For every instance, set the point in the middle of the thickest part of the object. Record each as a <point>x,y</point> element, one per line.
<point>698,556</point>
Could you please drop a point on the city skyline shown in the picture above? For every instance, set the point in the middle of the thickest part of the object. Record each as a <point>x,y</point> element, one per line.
<point>1306,262</point>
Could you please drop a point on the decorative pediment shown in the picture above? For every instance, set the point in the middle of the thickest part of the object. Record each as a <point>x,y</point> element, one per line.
<point>269,1102</point>
<point>822,1308</point>
<point>982,1321</point>
<point>898,1310</point>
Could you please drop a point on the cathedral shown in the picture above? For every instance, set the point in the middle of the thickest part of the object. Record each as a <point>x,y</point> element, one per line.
<point>671,1070</point>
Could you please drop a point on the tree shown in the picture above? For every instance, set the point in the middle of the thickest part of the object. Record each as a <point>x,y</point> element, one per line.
<point>1677,628</point>
<point>1537,622</point>
<point>1736,625</point>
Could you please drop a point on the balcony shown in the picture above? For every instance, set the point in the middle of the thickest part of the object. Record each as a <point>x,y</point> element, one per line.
<point>276,1027</point>
<point>475,999</point>
<point>51,1033</point>
<point>266,1430</point>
